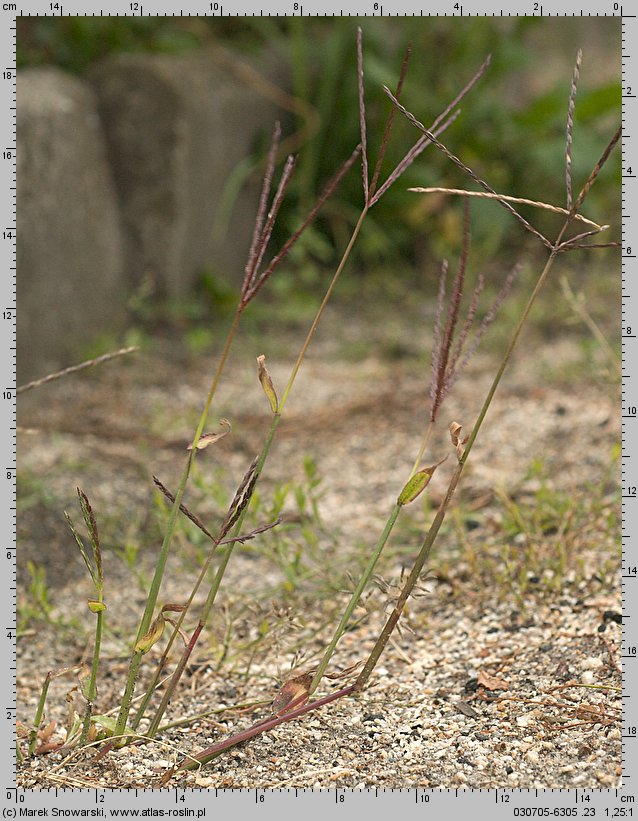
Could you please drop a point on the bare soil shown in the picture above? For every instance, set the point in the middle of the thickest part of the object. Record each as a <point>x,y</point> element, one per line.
<point>502,676</point>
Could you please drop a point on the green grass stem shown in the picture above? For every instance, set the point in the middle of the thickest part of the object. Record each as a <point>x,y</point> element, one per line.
<point>432,533</point>
<point>367,573</point>
<point>39,712</point>
<point>212,593</point>
<point>92,688</point>
<point>136,657</point>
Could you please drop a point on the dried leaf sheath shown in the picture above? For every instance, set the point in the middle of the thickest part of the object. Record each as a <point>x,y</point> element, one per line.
<point>267,384</point>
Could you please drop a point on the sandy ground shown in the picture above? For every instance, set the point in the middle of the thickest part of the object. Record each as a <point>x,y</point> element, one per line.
<point>506,672</point>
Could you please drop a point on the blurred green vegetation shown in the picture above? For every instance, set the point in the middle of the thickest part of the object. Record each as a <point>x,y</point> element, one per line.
<point>511,130</point>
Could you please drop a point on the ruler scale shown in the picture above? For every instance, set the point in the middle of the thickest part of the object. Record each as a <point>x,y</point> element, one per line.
<point>275,804</point>
<point>8,409</point>
<point>629,466</point>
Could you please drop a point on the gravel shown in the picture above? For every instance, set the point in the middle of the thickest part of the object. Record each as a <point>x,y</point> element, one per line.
<point>550,653</point>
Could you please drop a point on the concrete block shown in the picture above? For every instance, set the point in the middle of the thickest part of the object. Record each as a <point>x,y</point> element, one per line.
<point>69,247</point>
<point>178,127</point>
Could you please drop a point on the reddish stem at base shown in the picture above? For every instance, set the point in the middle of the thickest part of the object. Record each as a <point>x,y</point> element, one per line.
<point>259,728</point>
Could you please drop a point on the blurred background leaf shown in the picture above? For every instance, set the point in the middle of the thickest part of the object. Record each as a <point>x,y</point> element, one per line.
<point>511,130</point>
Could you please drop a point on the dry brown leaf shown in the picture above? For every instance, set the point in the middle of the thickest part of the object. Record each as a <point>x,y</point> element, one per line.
<point>207,439</point>
<point>347,671</point>
<point>153,635</point>
<point>465,708</point>
<point>457,441</point>
<point>293,694</point>
<point>266,383</point>
<point>491,682</point>
<point>45,733</point>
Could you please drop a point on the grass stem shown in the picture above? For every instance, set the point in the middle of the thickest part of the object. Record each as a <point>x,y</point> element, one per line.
<point>92,688</point>
<point>212,593</point>
<point>433,531</point>
<point>151,601</point>
<point>365,576</point>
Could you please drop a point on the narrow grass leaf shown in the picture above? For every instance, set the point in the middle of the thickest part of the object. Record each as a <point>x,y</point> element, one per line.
<point>110,725</point>
<point>84,679</point>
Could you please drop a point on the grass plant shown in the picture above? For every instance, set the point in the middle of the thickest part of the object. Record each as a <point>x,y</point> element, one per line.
<point>252,283</point>
<point>456,335</point>
<point>298,703</point>
<point>254,280</point>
